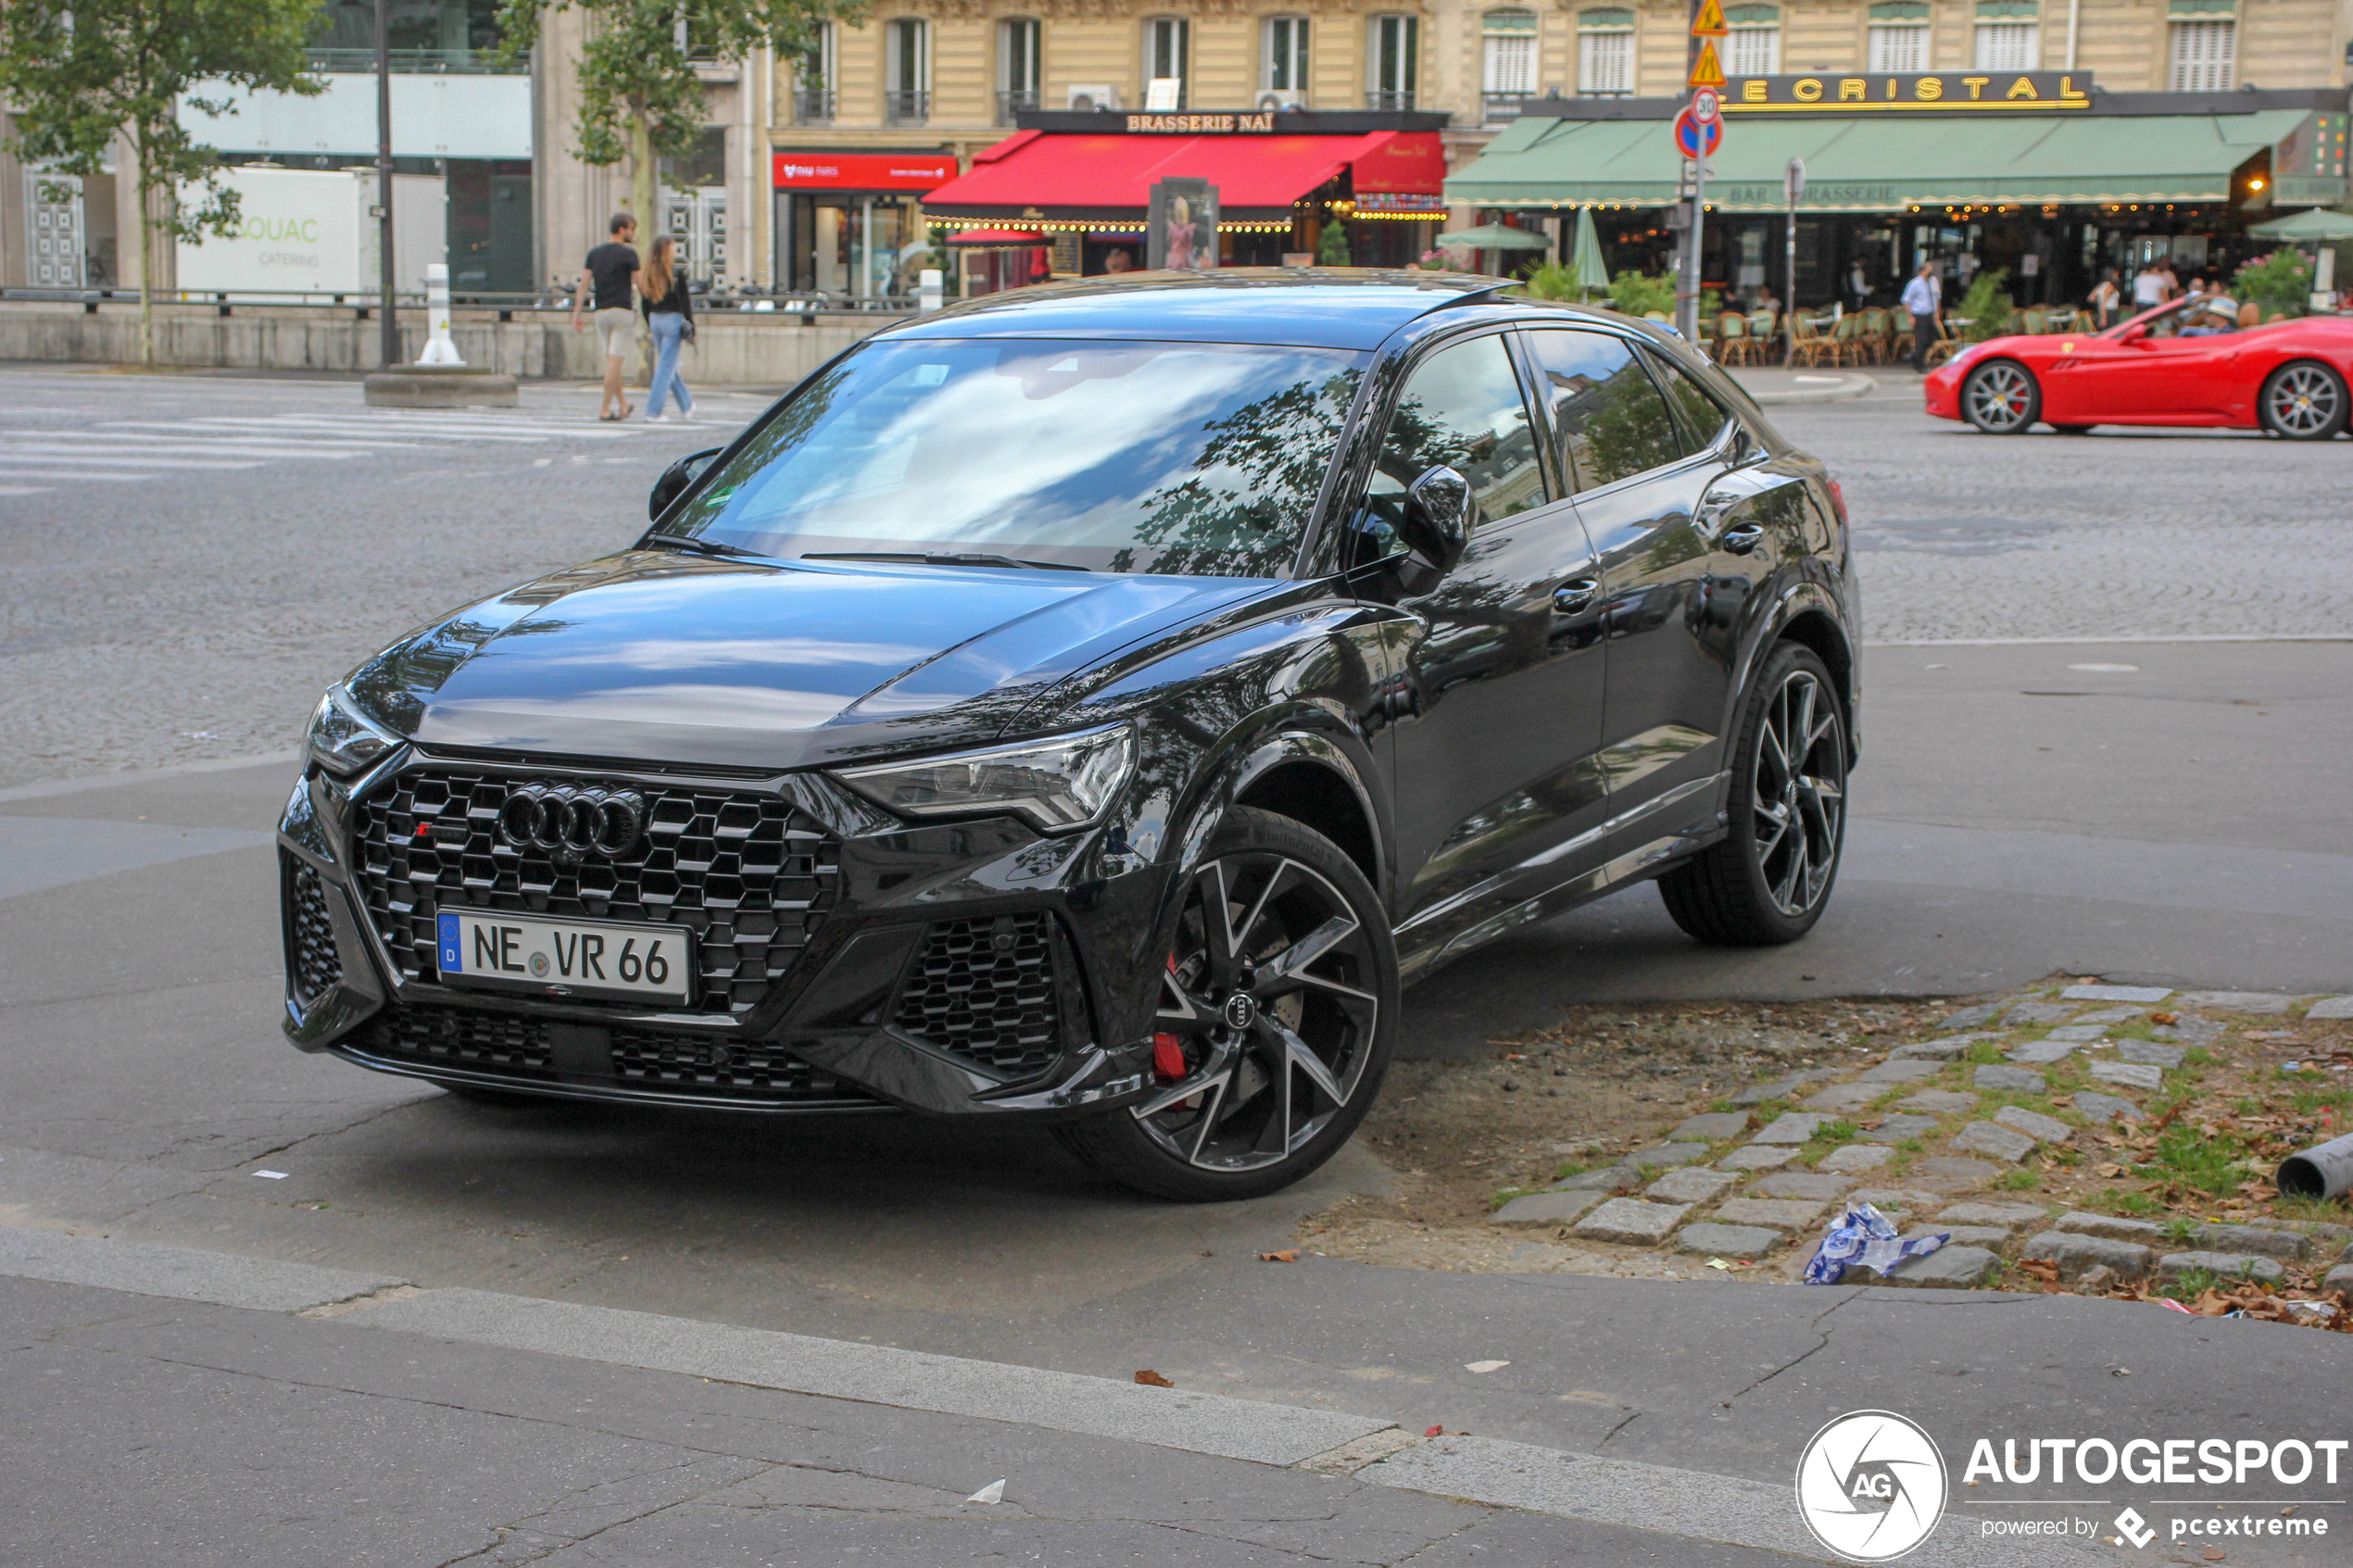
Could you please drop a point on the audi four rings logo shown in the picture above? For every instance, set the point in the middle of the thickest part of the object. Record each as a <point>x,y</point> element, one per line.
<point>562,819</point>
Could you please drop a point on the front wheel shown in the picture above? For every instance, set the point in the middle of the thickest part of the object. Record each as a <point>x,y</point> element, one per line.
<point>2000,397</point>
<point>2303,401</point>
<point>1278,1015</point>
<point>1768,879</point>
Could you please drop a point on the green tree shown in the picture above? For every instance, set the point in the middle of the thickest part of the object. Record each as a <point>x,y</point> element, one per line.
<point>78,72</point>
<point>1331,247</point>
<point>639,96</point>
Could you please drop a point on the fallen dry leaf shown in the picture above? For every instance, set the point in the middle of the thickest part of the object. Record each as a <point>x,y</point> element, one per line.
<point>2045,1272</point>
<point>2215,1554</point>
<point>2109,1168</point>
<point>1152,1379</point>
<point>1288,1255</point>
<point>1435,1432</point>
<point>2165,1018</point>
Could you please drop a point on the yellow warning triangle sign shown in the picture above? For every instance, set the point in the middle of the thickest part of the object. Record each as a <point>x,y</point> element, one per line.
<point>1707,72</point>
<point>1709,23</point>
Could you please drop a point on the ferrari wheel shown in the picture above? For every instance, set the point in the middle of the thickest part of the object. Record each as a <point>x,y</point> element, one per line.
<point>2303,401</point>
<point>2000,397</point>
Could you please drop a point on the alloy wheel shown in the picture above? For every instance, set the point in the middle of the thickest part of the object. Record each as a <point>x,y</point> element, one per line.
<point>1799,795</point>
<point>1267,1015</point>
<point>2000,399</point>
<point>2303,401</point>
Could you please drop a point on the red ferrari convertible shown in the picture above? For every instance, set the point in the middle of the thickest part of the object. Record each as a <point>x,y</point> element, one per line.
<point>2175,365</point>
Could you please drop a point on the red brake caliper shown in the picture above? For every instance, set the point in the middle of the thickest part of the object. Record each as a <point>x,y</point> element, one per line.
<point>1168,1051</point>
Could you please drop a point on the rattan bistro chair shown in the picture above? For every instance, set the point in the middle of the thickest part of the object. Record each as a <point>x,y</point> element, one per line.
<point>1807,345</point>
<point>1945,345</point>
<point>1764,330</point>
<point>1878,330</point>
<point>1733,346</point>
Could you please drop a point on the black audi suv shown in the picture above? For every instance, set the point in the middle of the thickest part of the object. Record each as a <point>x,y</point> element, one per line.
<point>1090,704</point>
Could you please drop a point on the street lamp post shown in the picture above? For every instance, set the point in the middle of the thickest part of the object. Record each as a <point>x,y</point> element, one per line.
<point>391,330</point>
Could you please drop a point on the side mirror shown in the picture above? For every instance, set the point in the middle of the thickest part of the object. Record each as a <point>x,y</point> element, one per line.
<point>2133,334</point>
<point>675,480</point>
<point>1436,521</point>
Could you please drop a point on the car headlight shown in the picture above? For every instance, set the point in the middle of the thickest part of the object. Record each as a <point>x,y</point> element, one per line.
<point>1063,783</point>
<point>342,738</point>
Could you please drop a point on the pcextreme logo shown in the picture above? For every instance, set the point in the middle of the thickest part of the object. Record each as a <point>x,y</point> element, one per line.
<point>1870,1486</point>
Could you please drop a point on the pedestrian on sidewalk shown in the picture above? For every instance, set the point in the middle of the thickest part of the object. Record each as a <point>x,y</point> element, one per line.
<point>670,314</point>
<point>1924,298</point>
<point>2106,298</point>
<point>605,279</point>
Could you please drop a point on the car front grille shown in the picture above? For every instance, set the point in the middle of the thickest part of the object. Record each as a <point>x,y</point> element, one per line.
<point>746,872</point>
<point>314,966</point>
<point>525,1050</point>
<point>984,990</point>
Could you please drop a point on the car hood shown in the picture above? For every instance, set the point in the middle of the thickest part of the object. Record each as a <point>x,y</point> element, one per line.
<point>651,656</point>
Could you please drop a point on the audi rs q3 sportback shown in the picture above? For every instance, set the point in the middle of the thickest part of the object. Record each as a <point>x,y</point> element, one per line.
<point>1090,703</point>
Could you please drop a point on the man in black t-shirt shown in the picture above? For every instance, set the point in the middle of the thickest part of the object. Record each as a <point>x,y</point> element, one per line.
<point>607,280</point>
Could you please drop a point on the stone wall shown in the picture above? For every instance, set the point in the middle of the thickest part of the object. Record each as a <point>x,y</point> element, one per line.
<point>764,350</point>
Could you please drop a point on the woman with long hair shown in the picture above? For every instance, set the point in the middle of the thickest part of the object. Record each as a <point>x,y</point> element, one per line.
<point>670,316</point>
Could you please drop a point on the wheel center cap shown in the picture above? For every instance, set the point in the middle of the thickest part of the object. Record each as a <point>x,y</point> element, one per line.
<point>1241,1011</point>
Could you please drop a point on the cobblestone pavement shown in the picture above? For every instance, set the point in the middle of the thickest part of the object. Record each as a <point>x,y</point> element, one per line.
<point>190,560</point>
<point>2119,534</point>
<point>2093,1137</point>
<point>186,562</point>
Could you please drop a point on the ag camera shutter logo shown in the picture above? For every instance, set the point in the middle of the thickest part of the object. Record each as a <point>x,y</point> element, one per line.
<point>1870,1486</point>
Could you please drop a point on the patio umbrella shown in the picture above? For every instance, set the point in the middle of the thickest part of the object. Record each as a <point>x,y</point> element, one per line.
<point>1496,236</point>
<point>2314,223</point>
<point>1591,273</point>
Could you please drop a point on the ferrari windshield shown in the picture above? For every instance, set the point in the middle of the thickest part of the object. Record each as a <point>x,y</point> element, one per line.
<point>1200,458</point>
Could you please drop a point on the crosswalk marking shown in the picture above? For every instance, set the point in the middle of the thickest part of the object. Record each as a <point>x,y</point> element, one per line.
<point>129,450</point>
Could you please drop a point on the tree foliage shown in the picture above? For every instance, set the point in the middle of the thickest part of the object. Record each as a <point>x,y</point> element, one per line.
<point>77,74</point>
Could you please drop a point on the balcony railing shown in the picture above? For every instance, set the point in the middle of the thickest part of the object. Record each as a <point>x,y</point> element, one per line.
<point>1385,98</point>
<point>416,62</point>
<point>907,107</point>
<point>812,106</point>
<point>1011,101</point>
<point>1502,108</point>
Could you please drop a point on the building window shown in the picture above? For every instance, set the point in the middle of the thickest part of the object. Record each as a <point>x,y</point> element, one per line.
<point>1507,62</point>
<point>1899,37</point>
<point>1286,53</point>
<point>1605,53</point>
<point>907,72</point>
<point>1395,65</point>
<point>2008,46</point>
<point>2204,52</point>
<point>813,82</point>
<point>1754,47</point>
<point>1020,53</point>
<point>1168,44</point>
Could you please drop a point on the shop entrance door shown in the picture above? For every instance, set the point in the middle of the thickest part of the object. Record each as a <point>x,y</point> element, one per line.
<point>52,238</point>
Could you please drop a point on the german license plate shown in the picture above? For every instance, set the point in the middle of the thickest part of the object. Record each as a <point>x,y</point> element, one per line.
<point>490,947</point>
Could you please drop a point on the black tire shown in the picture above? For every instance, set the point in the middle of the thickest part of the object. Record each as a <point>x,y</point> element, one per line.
<point>1286,885</point>
<point>2072,429</point>
<point>2303,400</point>
<point>1768,879</point>
<point>2001,397</point>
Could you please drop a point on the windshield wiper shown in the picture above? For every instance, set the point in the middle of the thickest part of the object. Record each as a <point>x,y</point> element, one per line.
<point>699,546</point>
<point>963,559</point>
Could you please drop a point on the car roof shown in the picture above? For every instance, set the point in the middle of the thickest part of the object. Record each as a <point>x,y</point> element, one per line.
<point>1311,307</point>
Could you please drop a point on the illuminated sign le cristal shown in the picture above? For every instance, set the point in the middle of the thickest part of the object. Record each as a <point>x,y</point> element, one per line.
<point>1936,92</point>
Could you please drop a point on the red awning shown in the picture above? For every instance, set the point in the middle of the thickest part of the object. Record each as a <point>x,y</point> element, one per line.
<point>996,237</point>
<point>1032,173</point>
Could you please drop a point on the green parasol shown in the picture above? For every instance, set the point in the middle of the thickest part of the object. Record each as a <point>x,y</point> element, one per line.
<point>1496,236</point>
<point>1591,274</point>
<point>2315,223</point>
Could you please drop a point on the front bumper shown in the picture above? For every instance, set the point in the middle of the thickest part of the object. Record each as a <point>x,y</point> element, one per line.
<point>1941,393</point>
<point>845,962</point>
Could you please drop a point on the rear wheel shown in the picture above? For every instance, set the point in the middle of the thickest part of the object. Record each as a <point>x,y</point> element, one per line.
<point>2000,397</point>
<point>2304,400</point>
<point>1768,879</point>
<point>1277,1013</point>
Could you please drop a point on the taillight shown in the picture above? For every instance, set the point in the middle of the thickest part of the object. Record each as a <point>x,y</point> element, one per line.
<point>1838,502</point>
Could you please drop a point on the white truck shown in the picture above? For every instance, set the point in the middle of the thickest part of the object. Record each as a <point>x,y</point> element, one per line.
<point>309,230</point>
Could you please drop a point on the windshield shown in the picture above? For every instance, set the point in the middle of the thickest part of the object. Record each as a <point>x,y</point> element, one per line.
<point>1181,458</point>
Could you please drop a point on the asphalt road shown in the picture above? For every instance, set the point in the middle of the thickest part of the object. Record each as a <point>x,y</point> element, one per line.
<point>2165,810</point>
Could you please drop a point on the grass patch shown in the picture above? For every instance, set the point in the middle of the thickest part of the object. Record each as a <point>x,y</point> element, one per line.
<point>2213,1165</point>
<point>1571,1168</point>
<point>2308,1100</point>
<point>1985,1052</point>
<point>1721,1105</point>
<point>2181,1230</point>
<point>2321,1210</point>
<point>1909,1146</point>
<point>2137,1204</point>
<point>1840,1131</point>
<point>2016,1180</point>
<point>2198,1056</point>
<point>2193,1284</point>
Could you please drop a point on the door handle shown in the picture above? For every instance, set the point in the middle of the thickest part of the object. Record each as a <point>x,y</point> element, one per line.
<point>1575,594</point>
<point>1742,540</point>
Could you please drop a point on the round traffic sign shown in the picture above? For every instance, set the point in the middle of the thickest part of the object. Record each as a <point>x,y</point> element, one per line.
<point>1705,106</point>
<point>1697,139</point>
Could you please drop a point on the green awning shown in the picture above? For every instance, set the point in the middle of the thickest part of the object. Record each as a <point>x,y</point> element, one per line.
<point>1855,164</point>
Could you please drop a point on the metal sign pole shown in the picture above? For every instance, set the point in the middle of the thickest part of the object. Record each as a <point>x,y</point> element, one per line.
<point>1793,189</point>
<point>391,331</point>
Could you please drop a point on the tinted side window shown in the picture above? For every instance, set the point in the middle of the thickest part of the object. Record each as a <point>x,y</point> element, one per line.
<point>1703,418</point>
<point>1612,423</point>
<point>1462,408</point>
